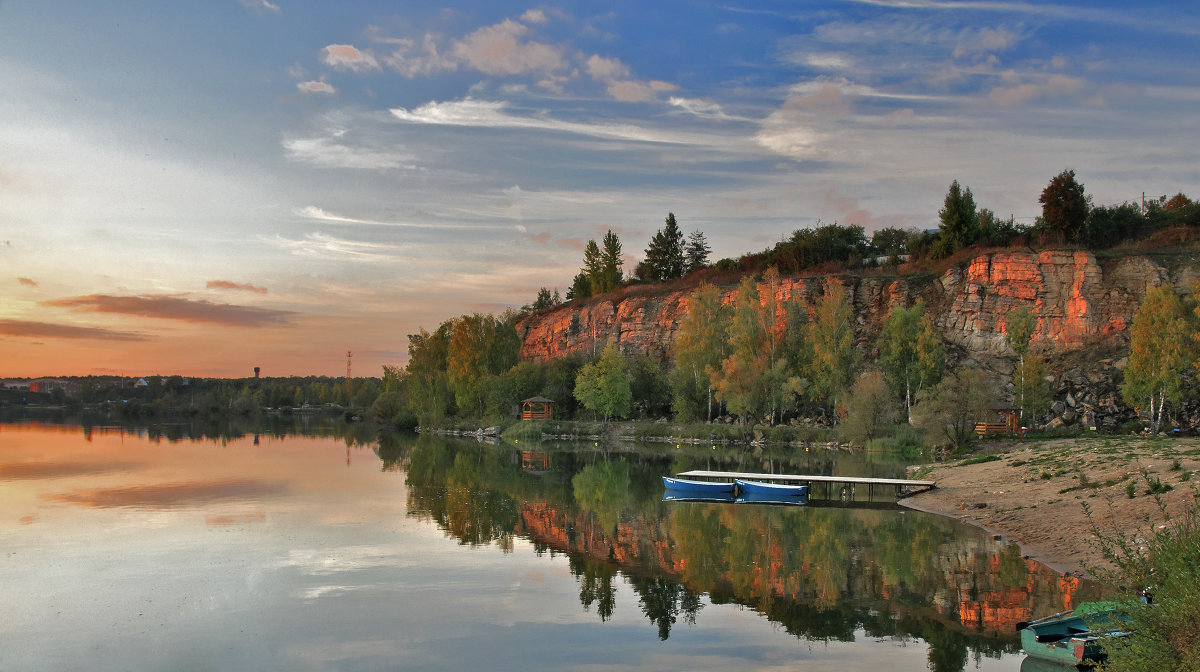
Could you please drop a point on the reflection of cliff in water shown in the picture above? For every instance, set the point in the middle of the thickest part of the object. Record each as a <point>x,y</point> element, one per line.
<point>823,573</point>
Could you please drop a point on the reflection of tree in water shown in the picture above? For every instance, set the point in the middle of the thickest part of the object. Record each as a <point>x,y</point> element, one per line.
<point>603,490</point>
<point>663,600</point>
<point>823,573</point>
<point>595,586</point>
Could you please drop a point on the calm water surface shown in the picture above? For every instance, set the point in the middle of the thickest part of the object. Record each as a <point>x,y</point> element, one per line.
<point>124,549</point>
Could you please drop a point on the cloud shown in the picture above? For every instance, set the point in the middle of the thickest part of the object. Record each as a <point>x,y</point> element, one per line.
<point>1053,87</point>
<point>225,284</point>
<point>322,215</point>
<point>606,68</point>
<point>614,74</point>
<point>322,246</point>
<point>174,308</point>
<point>262,4</point>
<point>23,328</point>
<point>334,150</point>
<point>349,57</point>
<point>500,50</point>
<point>492,114</point>
<point>28,282</point>
<point>534,16</point>
<point>409,60</point>
<point>168,495</point>
<point>315,87</point>
<point>985,41</point>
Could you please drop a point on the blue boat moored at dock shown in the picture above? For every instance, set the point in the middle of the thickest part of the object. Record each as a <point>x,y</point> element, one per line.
<point>704,487</point>
<point>774,490</point>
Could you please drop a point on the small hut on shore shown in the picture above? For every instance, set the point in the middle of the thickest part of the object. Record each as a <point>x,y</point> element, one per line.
<point>537,408</point>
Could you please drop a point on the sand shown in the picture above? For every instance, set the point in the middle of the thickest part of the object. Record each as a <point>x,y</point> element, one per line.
<point>1035,494</point>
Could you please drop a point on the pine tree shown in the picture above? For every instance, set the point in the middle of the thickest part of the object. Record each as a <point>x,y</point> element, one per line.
<point>959,219</point>
<point>696,252</point>
<point>664,256</point>
<point>593,266</point>
<point>610,263</point>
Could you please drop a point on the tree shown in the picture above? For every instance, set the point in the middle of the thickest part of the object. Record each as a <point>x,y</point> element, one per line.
<point>958,218</point>
<point>593,267</point>
<point>910,352</point>
<point>610,265</point>
<point>1064,207</point>
<point>698,349</point>
<point>603,385</point>
<point>949,410</point>
<point>581,287</point>
<point>664,256</point>
<point>1031,387</point>
<point>755,379</point>
<point>831,341</point>
<point>545,299</point>
<point>1177,202</point>
<point>1159,351</point>
<point>871,408</point>
<point>890,240</point>
<point>480,348</point>
<point>696,252</point>
<point>428,388</point>
<point>1019,326</point>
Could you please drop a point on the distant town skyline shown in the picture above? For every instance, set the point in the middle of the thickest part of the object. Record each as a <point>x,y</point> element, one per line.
<point>202,188</point>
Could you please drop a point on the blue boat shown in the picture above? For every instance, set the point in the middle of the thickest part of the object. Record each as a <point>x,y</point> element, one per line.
<point>773,489</point>
<point>768,498</point>
<point>709,487</point>
<point>697,496</point>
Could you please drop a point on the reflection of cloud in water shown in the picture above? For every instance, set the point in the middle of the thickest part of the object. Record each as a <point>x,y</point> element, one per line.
<point>235,519</point>
<point>29,471</point>
<point>167,495</point>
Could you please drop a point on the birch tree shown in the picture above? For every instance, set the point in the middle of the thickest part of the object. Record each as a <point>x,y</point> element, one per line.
<point>1159,351</point>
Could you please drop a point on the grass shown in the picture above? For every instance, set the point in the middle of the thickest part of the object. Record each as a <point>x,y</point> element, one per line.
<point>980,459</point>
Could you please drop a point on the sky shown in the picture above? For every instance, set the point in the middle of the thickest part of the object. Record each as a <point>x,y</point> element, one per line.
<point>202,188</point>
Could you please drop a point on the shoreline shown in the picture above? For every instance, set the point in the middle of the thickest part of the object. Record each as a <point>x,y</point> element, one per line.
<point>1048,558</point>
<point>1038,494</point>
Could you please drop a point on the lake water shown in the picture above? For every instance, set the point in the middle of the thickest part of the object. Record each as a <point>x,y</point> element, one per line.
<point>166,549</point>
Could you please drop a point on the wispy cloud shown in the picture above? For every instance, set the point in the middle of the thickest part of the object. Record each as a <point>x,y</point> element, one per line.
<point>24,328</point>
<point>323,246</point>
<point>316,87</point>
<point>28,282</point>
<point>349,57</point>
<point>226,284</point>
<point>321,215</point>
<point>262,5</point>
<point>174,308</point>
<point>335,150</point>
<point>493,114</point>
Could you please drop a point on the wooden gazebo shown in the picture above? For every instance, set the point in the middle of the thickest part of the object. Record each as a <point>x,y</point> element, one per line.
<point>537,408</point>
<point>1010,425</point>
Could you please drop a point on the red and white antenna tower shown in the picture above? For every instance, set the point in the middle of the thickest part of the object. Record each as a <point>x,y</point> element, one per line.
<point>348,356</point>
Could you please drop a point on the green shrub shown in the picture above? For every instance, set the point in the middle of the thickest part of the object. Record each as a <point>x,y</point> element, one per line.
<point>1166,559</point>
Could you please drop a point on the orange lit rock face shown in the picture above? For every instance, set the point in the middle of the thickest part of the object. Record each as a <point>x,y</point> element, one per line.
<point>1075,299</point>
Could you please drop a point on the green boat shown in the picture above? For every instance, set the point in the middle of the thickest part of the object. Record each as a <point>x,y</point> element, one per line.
<point>1073,637</point>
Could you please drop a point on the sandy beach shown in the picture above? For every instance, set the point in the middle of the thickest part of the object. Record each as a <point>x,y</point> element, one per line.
<point>1034,494</point>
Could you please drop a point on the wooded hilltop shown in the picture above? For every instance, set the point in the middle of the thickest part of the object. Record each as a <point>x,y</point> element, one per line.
<point>832,328</point>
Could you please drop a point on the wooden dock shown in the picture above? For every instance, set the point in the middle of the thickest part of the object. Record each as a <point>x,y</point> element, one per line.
<point>845,485</point>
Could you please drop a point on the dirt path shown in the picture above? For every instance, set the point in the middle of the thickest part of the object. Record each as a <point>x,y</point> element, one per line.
<point>1035,492</point>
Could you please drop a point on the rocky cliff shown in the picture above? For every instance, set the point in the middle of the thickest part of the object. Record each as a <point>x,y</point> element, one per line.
<point>1083,305</point>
